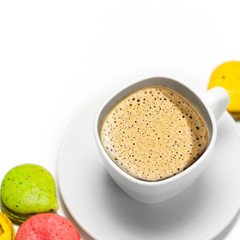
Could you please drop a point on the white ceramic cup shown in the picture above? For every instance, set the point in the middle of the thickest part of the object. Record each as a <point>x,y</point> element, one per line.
<point>211,106</point>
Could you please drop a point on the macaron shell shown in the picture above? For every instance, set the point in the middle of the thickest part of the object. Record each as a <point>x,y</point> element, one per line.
<point>47,226</point>
<point>28,189</point>
<point>16,218</point>
<point>227,75</point>
<point>7,231</point>
<point>235,115</point>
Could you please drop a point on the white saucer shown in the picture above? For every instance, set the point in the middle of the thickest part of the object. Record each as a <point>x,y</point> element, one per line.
<point>103,210</point>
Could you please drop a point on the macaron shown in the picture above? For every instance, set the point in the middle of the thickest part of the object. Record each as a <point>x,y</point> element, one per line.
<point>26,190</point>
<point>227,75</point>
<point>7,231</point>
<point>47,226</point>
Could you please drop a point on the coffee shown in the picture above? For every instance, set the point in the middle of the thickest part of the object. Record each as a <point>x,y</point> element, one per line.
<point>154,133</point>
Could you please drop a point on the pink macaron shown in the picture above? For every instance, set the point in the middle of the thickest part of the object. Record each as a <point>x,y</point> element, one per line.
<point>47,226</point>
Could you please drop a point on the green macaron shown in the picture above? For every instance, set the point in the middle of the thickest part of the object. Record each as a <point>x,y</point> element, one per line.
<point>26,190</point>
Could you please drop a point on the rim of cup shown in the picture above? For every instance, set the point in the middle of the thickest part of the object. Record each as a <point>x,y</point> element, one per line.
<point>185,172</point>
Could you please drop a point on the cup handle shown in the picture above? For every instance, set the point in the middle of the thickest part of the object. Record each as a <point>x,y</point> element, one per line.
<point>218,99</point>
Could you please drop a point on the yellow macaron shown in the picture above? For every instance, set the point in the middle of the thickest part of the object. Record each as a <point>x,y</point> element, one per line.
<point>7,231</point>
<point>227,75</point>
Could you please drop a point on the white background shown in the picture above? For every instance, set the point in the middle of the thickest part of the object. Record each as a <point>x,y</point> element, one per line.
<point>55,56</point>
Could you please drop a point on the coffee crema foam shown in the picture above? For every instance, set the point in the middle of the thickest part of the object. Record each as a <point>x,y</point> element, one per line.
<point>153,134</point>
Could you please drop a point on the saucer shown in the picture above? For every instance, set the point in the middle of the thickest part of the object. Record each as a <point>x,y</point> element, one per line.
<point>105,212</point>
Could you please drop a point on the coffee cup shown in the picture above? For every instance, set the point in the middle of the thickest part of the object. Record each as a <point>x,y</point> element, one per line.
<point>210,106</point>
